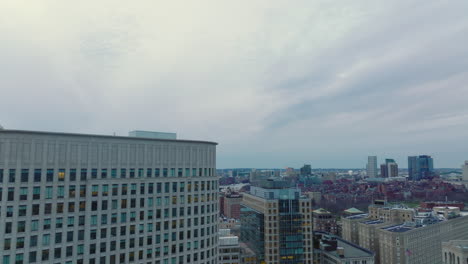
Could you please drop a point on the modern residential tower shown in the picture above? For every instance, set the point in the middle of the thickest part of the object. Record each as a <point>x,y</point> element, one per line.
<point>276,223</point>
<point>75,198</point>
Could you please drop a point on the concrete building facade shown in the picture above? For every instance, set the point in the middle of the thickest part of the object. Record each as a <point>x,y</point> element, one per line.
<point>229,248</point>
<point>455,251</point>
<point>75,198</point>
<point>324,221</point>
<point>419,244</point>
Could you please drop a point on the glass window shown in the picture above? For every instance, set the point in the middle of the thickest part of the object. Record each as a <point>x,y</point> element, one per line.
<point>94,173</point>
<point>72,175</point>
<point>37,175</point>
<point>49,192</point>
<point>103,173</point>
<point>59,222</point>
<point>83,174</point>
<point>61,175</point>
<point>113,173</point>
<point>149,172</point>
<point>60,192</point>
<point>33,241</point>
<point>37,193</point>
<point>34,225</point>
<point>50,175</point>
<point>45,239</point>
<point>12,175</point>
<point>47,224</point>
<point>70,221</point>
<point>156,172</point>
<point>123,173</point>
<point>22,210</point>
<point>11,194</point>
<point>23,193</point>
<point>105,190</point>
<point>24,175</point>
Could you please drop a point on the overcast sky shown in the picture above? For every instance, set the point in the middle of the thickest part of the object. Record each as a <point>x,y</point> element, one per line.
<point>276,83</point>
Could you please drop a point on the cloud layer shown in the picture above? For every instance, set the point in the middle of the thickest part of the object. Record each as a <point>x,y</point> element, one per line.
<point>276,83</point>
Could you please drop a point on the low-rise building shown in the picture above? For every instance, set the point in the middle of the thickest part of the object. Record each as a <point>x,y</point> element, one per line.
<point>350,228</point>
<point>330,249</point>
<point>420,241</point>
<point>228,248</point>
<point>324,221</point>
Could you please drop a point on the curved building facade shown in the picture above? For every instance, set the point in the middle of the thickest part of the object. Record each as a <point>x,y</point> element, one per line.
<point>75,198</point>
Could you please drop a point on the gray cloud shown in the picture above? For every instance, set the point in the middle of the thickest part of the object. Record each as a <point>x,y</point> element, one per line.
<point>277,83</point>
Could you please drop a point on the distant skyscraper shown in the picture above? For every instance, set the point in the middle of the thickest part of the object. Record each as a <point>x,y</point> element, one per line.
<point>306,170</point>
<point>383,171</point>
<point>372,167</point>
<point>389,169</point>
<point>420,167</point>
<point>465,171</point>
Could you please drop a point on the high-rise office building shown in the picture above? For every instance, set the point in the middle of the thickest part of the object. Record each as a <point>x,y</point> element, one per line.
<point>420,167</point>
<point>276,223</point>
<point>389,169</point>
<point>75,198</point>
<point>306,170</point>
<point>465,171</point>
<point>372,167</point>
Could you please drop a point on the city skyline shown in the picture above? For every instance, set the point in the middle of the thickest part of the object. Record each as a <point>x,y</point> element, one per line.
<point>275,83</point>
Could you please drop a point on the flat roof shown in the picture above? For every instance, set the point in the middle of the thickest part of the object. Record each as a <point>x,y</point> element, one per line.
<point>373,222</point>
<point>351,250</point>
<point>359,216</point>
<point>12,131</point>
<point>398,228</point>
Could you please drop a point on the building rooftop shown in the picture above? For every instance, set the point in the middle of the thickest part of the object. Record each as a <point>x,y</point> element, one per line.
<point>43,133</point>
<point>353,211</point>
<point>350,250</point>
<point>321,211</point>
<point>373,222</point>
<point>359,216</point>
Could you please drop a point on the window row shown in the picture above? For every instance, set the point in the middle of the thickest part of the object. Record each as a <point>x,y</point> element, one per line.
<point>57,253</point>
<point>59,238</point>
<point>72,207</point>
<point>84,174</point>
<point>73,191</point>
